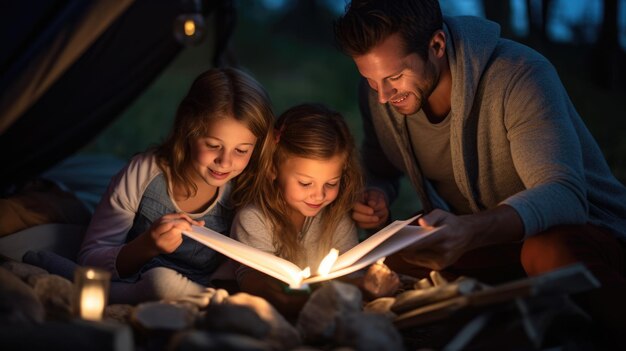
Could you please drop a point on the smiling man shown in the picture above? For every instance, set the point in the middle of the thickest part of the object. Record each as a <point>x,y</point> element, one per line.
<point>492,145</point>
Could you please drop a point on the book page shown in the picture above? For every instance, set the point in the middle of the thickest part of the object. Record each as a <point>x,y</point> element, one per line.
<point>262,261</point>
<point>404,237</point>
<point>349,257</point>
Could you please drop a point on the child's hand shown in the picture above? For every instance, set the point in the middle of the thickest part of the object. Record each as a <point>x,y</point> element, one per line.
<point>380,281</point>
<point>165,234</point>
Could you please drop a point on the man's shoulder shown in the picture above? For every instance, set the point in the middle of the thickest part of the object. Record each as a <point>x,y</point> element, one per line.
<point>510,53</point>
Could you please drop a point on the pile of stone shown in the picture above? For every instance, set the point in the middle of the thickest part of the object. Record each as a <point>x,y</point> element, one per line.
<point>36,311</point>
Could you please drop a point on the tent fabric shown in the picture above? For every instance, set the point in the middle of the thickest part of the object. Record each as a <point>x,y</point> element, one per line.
<point>90,92</point>
<point>56,55</point>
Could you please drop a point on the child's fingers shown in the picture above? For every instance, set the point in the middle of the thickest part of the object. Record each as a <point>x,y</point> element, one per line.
<point>181,216</point>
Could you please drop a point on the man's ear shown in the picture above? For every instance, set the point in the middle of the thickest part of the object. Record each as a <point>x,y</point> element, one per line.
<point>437,44</point>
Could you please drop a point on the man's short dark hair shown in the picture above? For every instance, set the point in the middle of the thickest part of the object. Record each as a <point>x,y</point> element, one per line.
<point>366,23</point>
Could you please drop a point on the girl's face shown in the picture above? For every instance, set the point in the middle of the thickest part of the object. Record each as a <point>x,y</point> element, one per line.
<point>309,185</point>
<point>224,153</point>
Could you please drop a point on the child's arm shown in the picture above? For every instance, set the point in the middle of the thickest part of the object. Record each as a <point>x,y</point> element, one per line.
<point>107,234</point>
<point>163,237</point>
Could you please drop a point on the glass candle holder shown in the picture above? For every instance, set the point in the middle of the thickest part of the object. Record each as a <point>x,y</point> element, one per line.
<point>91,292</point>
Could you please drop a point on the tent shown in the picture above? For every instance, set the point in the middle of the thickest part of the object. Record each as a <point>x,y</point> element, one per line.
<point>69,68</point>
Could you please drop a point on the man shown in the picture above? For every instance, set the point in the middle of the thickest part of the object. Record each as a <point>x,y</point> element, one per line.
<point>492,145</point>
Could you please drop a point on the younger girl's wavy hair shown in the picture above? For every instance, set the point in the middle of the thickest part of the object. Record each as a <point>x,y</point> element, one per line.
<point>309,131</point>
<point>218,93</point>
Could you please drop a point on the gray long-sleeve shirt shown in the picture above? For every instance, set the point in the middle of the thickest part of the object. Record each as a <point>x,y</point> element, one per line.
<point>515,138</point>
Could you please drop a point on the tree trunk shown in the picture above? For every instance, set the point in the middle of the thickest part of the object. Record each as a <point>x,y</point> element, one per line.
<point>607,53</point>
<point>499,11</point>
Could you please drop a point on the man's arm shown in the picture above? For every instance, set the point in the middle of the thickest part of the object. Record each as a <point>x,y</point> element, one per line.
<point>463,233</point>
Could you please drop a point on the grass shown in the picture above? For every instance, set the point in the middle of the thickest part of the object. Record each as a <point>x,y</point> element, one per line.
<point>296,63</point>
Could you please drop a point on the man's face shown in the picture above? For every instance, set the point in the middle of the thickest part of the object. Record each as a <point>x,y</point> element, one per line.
<point>404,81</point>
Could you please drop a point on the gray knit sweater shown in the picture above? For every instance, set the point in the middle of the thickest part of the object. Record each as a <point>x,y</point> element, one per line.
<point>515,138</point>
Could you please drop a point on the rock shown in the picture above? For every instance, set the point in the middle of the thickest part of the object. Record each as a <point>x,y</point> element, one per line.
<point>163,316</point>
<point>368,331</point>
<point>437,278</point>
<point>119,313</point>
<point>323,311</point>
<point>218,296</point>
<point>311,348</point>
<point>423,283</point>
<point>201,341</point>
<point>380,281</point>
<point>412,299</point>
<point>23,270</point>
<point>56,294</point>
<point>282,335</point>
<point>18,301</point>
<point>381,306</point>
<point>236,319</point>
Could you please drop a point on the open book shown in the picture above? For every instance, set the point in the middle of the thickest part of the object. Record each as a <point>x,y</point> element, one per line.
<point>387,241</point>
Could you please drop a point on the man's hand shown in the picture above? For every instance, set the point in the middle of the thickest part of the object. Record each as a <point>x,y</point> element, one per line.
<point>372,211</point>
<point>461,234</point>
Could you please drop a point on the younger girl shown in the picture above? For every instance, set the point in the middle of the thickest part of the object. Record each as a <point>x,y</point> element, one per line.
<point>306,196</point>
<point>195,177</point>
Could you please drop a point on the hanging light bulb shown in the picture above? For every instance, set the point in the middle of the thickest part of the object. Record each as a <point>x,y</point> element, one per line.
<point>189,26</point>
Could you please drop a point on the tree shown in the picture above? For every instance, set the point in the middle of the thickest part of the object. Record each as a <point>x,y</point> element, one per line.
<point>607,57</point>
<point>499,11</point>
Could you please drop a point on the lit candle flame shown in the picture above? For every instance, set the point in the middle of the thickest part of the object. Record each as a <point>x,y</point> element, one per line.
<point>92,303</point>
<point>190,28</point>
<point>381,260</point>
<point>328,262</point>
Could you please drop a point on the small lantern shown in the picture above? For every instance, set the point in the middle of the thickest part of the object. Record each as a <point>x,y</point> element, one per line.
<point>91,291</point>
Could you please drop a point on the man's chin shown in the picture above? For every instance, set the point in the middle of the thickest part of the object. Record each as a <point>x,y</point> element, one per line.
<point>405,110</point>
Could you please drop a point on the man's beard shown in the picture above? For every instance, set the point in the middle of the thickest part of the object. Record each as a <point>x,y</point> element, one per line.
<point>422,93</point>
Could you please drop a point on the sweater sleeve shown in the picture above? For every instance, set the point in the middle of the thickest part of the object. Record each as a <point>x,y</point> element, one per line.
<point>346,236</point>
<point>114,215</point>
<point>249,227</point>
<point>546,150</point>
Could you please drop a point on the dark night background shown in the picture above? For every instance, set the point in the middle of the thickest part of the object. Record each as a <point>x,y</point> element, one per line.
<point>288,47</point>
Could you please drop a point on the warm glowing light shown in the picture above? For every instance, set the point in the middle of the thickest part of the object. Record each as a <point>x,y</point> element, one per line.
<point>190,28</point>
<point>91,292</point>
<point>381,260</point>
<point>92,302</point>
<point>306,273</point>
<point>328,262</point>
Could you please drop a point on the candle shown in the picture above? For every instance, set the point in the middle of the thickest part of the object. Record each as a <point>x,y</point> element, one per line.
<point>92,303</point>
<point>92,290</point>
